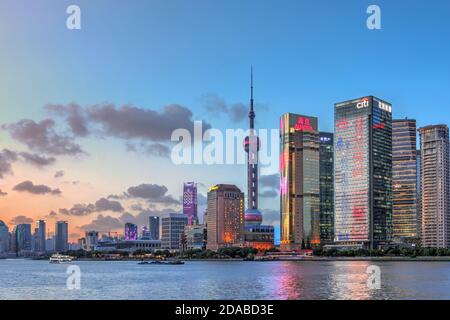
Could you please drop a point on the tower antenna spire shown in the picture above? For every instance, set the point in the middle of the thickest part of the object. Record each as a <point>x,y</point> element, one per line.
<point>251,115</point>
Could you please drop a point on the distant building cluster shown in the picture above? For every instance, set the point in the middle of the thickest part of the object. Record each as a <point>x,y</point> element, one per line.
<point>364,186</point>
<point>22,241</point>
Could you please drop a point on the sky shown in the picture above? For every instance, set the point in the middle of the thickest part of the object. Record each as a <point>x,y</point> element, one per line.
<point>86,115</point>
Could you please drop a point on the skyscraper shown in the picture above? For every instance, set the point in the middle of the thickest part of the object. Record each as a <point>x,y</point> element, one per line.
<point>61,236</point>
<point>326,173</point>
<point>153,226</point>
<point>404,180</point>
<point>225,218</point>
<point>173,230</point>
<point>299,182</point>
<point>39,235</point>
<point>363,172</point>
<point>435,186</point>
<point>190,202</point>
<point>419,195</point>
<point>4,237</point>
<point>131,232</point>
<point>22,237</point>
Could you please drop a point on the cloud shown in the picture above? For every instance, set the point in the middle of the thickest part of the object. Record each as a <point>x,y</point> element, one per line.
<point>153,192</point>
<point>100,205</point>
<point>217,106</point>
<point>37,160</point>
<point>138,126</point>
<point>59,174</point>
<point>130,122</point>
<point>6,159</point>
<point>271,217</point>
<point>271,181</point>
<point>42,137</point>
<point>271,184</point>
<point>2,194</point>
<point>75,117</point>
<point>103,224</point>
<point>104,204</point>
<point>78,209</point>
<point>28,186</point>
<point>108,223</point>
<point>21,220</point>
<point>52,215</point>
<point>269,194</point>
<point>155,149</point>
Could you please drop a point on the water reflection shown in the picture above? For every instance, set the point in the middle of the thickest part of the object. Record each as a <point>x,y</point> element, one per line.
<point>29,279</point>
<point>289,282</point>
<point>329,280</point>
<point>348,281</point>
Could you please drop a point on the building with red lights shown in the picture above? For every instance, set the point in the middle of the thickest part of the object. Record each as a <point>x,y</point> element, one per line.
<point>363,172</point>
<point>299,182</point>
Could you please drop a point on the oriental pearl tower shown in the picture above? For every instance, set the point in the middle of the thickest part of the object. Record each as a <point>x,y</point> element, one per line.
<point>253,216</point>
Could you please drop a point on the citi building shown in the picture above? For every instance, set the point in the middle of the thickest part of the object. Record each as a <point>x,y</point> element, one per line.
<point>363,172</point>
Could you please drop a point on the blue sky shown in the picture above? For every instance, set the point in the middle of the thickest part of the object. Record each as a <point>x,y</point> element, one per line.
<point>307,55</point>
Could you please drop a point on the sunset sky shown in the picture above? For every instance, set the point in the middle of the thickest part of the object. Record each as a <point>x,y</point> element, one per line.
<point>86,115</point>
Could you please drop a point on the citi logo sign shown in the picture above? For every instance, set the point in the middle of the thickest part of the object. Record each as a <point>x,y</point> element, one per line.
<point>364,103</point>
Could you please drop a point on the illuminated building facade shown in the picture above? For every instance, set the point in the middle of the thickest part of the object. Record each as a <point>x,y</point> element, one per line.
<point>190,202</point>
<point>326,173</point>
<point>299,182</point>
<point>404,180</point>
<point>435,186</point>
<point>225,218</point>
<point>131,232</point>
<point>260,237</point>
<point>363,172</point>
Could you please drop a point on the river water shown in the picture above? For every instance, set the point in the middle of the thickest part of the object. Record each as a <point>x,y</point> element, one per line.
<point>28,279</point>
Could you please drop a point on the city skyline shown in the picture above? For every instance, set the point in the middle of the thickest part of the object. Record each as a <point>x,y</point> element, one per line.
<point>100,161</point>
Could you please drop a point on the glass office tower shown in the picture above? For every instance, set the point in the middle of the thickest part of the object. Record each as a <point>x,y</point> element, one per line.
<point>363,172</point>
<point>404,180</point>
<point>435,186</point>
<point>326,173</point>
<point>61,236</point>
<point>299,182</point>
